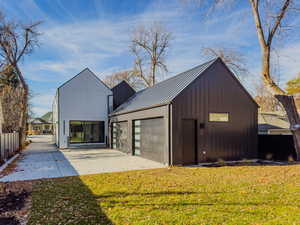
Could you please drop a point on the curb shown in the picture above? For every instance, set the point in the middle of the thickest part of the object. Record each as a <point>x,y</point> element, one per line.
<point>8,162</point>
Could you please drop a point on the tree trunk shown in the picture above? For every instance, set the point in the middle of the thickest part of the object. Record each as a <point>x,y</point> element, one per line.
<point>24,108</point>
<point>23,121</point>
<point>290,107</point>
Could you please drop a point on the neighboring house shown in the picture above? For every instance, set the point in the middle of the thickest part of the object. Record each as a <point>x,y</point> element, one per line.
<point>39,126</point>
<point>48,117</point>
<point>200,115</point>
<point>80,111</point>
<point>273,123</point>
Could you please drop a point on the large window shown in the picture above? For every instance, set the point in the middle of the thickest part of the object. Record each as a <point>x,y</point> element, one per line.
<point>218,117</point>
<point>86,132</point>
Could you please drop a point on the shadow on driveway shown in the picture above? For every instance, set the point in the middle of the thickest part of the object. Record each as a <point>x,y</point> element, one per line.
<point>43,160</point>
<point>69,200</point>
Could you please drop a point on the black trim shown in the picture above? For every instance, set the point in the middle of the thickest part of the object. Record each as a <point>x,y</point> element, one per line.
<point>93,142</point>
<point>169,135</point>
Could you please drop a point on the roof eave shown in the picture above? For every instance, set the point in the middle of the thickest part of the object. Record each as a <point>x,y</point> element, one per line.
<point>140,109</point>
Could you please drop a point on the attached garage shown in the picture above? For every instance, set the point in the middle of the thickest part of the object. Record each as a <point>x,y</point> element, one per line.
<point>120,136</point>
<point>189,118</point>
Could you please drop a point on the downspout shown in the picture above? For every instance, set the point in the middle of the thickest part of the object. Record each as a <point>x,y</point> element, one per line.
<point>170,133</point>
<point>58,119</point>
<point>108,120</point>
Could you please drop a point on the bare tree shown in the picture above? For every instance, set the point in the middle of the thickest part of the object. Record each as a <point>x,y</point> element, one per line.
<point>16,41</point>
<point>149,46</point>
<point>266,101</point>
<point>128,75</point>
<point>272,19</point>
<point>234,59</point>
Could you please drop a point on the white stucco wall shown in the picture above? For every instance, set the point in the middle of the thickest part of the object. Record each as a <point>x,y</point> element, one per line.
<point>82,98</point>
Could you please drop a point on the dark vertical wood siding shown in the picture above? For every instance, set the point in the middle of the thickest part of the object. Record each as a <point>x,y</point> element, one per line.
<point>121,93</point>
<point>216,90</point>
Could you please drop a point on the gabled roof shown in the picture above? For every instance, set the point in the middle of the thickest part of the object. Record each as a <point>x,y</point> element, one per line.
<point>163,92</point>
<point>88,70</point>
<point>123,82</point>
<point>38,121</point>
<point>47,117</point>
<point>272,120</point>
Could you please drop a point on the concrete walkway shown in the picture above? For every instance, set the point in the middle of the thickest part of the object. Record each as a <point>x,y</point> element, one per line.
<point>42,160</point>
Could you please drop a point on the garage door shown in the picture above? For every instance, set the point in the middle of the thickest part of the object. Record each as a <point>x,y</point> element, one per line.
<point>120,136</point>
<point>149,138</point>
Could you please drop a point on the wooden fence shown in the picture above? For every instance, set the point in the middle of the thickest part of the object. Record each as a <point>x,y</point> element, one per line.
<point>9,143</point>
<point>279,147</point>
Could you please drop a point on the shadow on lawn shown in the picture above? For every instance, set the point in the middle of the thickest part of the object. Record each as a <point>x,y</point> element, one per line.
<point>127,203</point>
<point>67,200</point>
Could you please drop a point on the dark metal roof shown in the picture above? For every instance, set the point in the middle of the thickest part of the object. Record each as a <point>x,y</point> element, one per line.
<point>163,92</point>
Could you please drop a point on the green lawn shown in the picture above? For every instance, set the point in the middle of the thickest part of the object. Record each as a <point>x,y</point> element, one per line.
<point>224,195</point>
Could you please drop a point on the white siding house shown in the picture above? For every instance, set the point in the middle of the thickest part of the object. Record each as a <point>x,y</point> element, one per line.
<point>80,111</point>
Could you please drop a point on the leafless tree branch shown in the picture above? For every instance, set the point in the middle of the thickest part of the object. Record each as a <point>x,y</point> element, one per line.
<point>149,47</point>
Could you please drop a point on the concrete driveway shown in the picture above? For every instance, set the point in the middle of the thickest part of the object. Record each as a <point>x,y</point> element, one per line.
<point>43,160</point>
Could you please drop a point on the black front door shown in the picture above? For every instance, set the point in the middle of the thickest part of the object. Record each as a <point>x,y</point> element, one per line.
<point>189,141</point>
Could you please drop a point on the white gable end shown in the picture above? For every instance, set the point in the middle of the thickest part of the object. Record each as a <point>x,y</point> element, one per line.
<point>82,98</point>
<point>84,80</point>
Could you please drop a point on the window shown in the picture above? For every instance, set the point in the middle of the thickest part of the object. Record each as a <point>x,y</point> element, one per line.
<point>218,117</point>
<point>86,132</point>
<point>137,137</point>
<point>36,128</point>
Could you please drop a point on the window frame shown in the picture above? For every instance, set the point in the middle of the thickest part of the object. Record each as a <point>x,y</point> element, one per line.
<point>87,142</point>
<point>215,121</point>
<point>136,149</point>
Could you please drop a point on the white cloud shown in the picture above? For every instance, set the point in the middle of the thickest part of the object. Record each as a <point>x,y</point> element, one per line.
<point>40,111</point>
<point>102,44</point>
<point>41,103</point>
<point>289,59</point>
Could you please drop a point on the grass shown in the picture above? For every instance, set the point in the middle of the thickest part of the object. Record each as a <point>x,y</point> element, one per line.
<point>225,195</point>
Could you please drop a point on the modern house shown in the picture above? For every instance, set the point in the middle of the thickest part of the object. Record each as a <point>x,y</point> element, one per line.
<point>48,117</point>
<point>203,114</point>
<point>80,111</point>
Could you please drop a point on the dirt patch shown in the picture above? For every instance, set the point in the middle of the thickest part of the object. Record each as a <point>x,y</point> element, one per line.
<point>9,221</point>
<point>12,167</point>
<point>15,202</point>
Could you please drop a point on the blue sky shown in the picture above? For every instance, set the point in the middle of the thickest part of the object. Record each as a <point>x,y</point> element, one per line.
<point>96,33</point>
